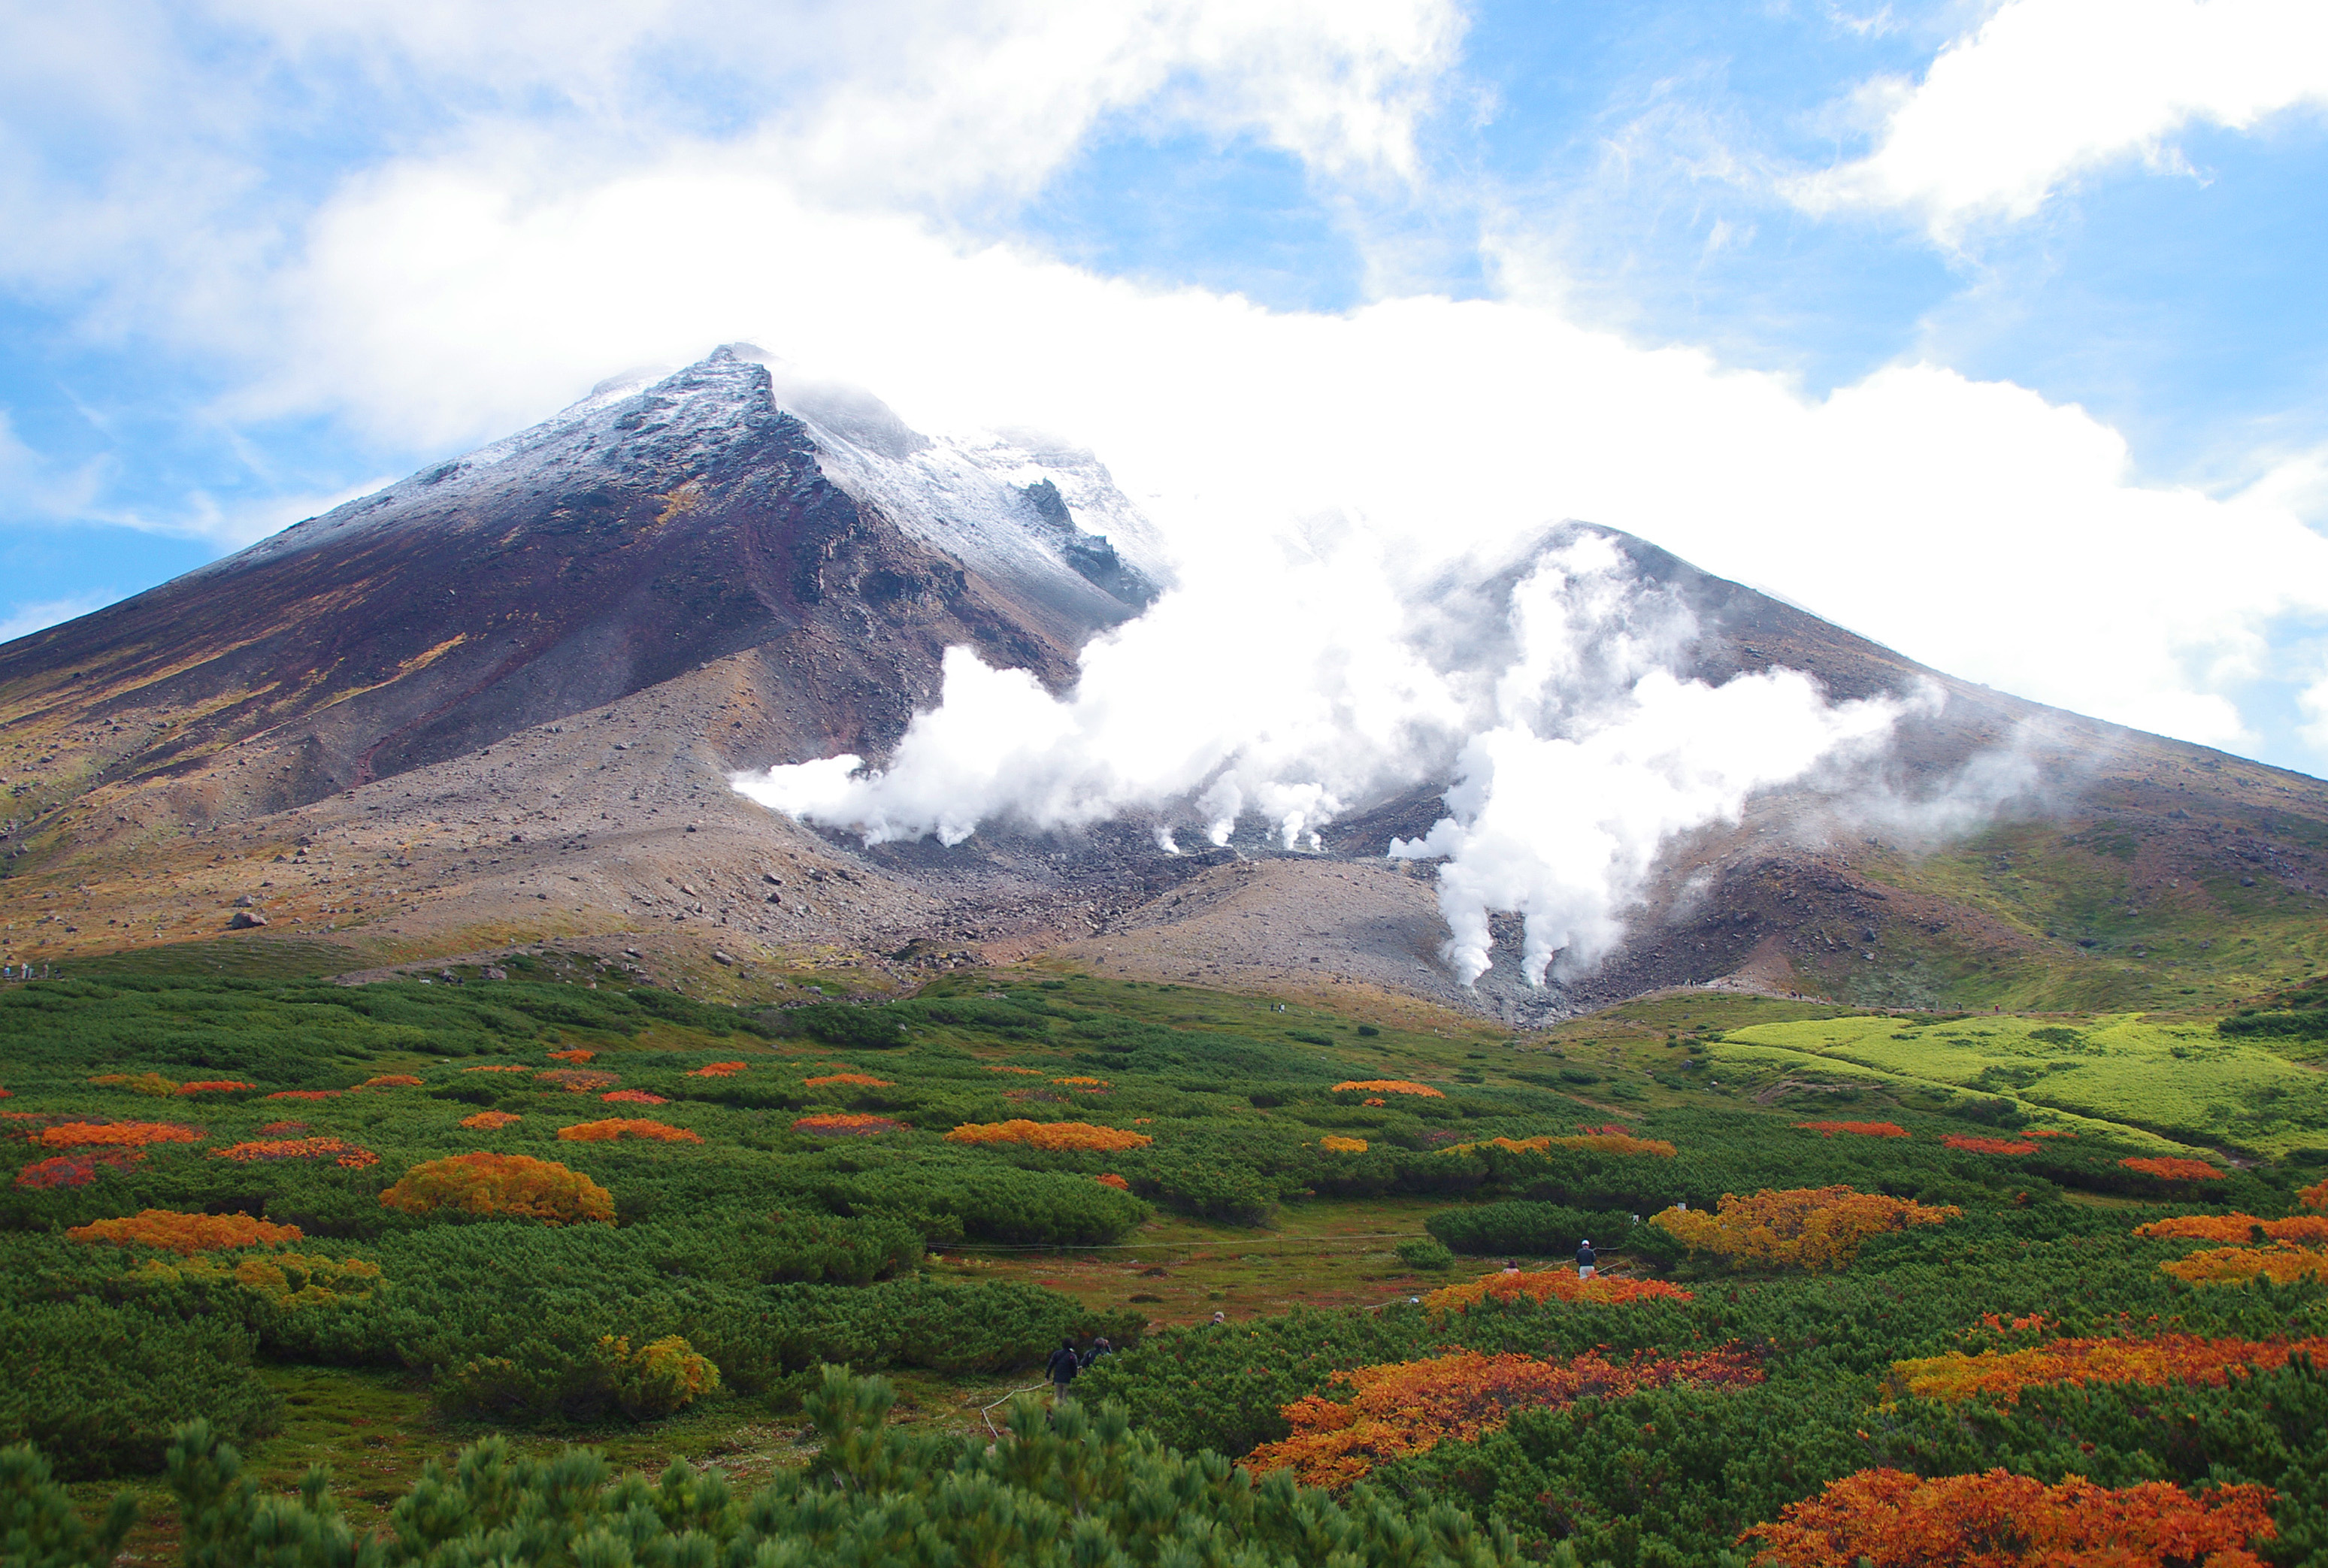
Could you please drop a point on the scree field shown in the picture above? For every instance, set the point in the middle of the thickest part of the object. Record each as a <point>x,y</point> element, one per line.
<point>559,1268</point>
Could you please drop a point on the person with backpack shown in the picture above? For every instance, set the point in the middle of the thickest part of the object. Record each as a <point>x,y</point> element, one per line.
<point>1584,1261</point>
<point>1063,1367</point>
<point>1100,1347</point>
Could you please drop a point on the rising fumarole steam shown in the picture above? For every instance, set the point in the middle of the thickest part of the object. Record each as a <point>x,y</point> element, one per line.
<point>1576,750</point>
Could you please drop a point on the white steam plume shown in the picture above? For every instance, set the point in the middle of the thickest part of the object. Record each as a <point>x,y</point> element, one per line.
<point>1298,695</point>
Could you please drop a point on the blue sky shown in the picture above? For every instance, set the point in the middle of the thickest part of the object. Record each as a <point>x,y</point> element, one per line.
<point>1858,302</point>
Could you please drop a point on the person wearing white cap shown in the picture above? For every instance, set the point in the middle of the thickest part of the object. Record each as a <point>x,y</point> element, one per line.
<point>1584,1261</point>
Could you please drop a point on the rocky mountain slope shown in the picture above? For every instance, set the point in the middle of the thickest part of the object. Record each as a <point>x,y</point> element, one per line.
<point>498,703</point>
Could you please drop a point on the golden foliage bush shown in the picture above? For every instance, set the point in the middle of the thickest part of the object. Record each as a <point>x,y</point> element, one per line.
<point>391,1081</point>
<point>289,1280</point>
<point>1054,1135</point>
<point>579,1080</point>
<point>2315,1196</point>
<point>1608,1140</point>
<point>2282,1264</point>
<point>515,1185</point>
<point>1896,1520</point>
<point>1335,1143</point>
<point>492,1121</point>
<point>1550,1285</point>
<point>186,1232</point>
<point>1110,1178</point>
<point>1408,1407</point>
<point>718,1070</point>
<point>2166,1359</point>
<point>1803,1227</point>
<point>854,1080</point>
<point>618,1127</point>
<point>1390,1086</point>
<point>216,1086</point>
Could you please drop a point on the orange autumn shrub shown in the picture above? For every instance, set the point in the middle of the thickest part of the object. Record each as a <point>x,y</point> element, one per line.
<point>306,1094</point>
<point>390,1081</point>
<point>1373,1100</point>
<point>1803,1227</point>
<point>618,1127</point>
<point>186,1232</point>
<point>2314,1196</point>
<point>855,1080</point>
<point>492,1121</point>
<point>2282,1264</point>
<point>579,1080</point>
<point>718,1070</point>
<point>1094,1086</point>
<point>515,1185</point>
<point>76,1169</point>
<point>2236,1229</point>
<point>114,1134</point>
<point>1408,1407</point>
<point>851,1124</point>
<point>633,1097</point>
<point>1897,1520</point>
<point>1859,1129</point>
<point>273,1148</point>
<point>577,1055</point>
<point>215,1087</point>
<point>1110,1178</point>
<point>1335,1143</point>
<point>1390,1086</point>
<point>2167,1358</point>
<point>1556,1284</point>
<point>1052,1135</point>
<point>1988,1145</point>
<point>2173,1168</point>
<point>2046,1133</point>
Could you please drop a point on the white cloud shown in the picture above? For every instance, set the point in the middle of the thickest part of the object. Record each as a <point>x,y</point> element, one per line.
<point>2044,90</point>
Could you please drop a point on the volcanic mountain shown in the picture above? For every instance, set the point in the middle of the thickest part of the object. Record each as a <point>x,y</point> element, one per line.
<point>498,704</point>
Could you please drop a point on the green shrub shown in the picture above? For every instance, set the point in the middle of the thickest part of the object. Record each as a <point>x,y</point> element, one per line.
<point>1425,1253</point>
<point>97,1389</point>
<point>838,1023</point>
<point>1543,1230</point>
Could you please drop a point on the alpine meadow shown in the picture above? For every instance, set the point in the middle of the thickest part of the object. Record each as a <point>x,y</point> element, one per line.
<point>1168,784</point>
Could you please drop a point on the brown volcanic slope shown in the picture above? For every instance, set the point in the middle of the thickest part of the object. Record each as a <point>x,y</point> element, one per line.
<point>497,704</point>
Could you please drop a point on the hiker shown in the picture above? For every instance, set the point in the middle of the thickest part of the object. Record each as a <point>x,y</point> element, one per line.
<point>1219,1318</point>
<point>1063,1367</point>
<point>1584,1261</point>
<point>1100,1347</point>
<point>1511,1265</point>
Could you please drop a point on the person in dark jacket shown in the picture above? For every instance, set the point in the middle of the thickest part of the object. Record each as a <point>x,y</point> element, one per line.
<point>1584,1261</point>
<point>1100,1347</point>
<point>1063,1367</point>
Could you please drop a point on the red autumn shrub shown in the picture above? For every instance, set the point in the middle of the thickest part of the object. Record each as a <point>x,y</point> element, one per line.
<point>633,1097</point>
<point>1897,1520</point>
<point>1408,1407</point>
<point>579,1080</point>
<point>1988,1145</point>
<point>577,1055</point>
<point>515,1185</point>
<point>214,1087</point>
<point>306,1094</point>
<point>186,1232</point>
<point>76,1169</point>
<point>269,1149</point>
